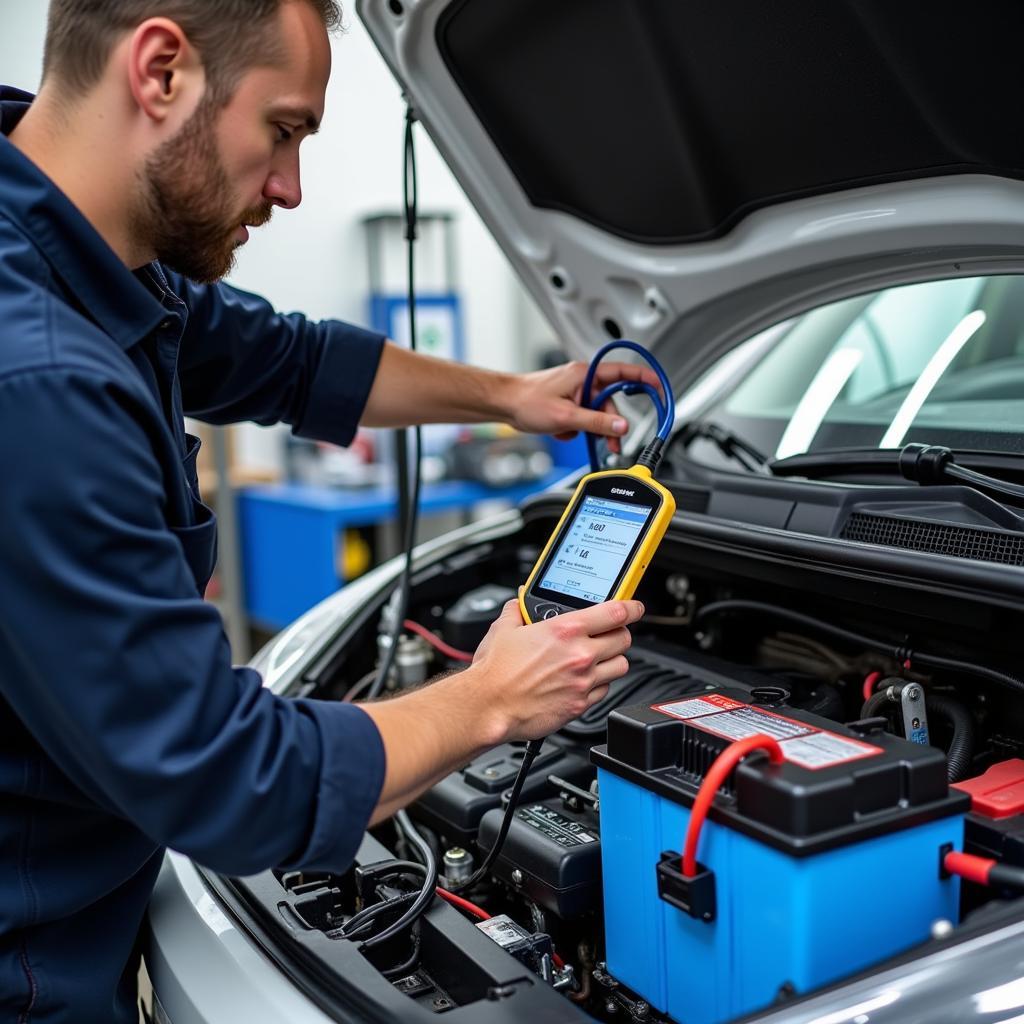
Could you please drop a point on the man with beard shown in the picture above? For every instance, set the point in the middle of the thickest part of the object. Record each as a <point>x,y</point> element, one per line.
<point>163,131</point>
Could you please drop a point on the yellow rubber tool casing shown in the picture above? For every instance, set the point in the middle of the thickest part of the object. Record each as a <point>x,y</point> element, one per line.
<point>602,545</point>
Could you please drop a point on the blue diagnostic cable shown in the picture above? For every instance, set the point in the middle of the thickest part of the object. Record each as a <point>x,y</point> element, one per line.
<point>666,409</point>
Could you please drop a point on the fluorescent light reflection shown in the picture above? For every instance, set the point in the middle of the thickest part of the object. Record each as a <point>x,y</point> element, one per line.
<point>817,400</point>
<point>861,1011</point>
<point>1001,999</point>
<point>937,366</point>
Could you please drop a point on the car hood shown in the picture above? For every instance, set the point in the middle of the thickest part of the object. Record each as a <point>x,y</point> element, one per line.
<point>686,174</point>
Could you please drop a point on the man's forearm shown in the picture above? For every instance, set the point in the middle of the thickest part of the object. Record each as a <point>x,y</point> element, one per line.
<point>428,734</point>
<point>414,388</point>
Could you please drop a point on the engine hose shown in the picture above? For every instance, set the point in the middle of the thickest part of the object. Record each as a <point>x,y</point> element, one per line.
<point>961,747</point>
<point>876,705</point>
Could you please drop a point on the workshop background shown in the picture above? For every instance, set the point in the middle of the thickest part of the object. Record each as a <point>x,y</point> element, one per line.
<point>325,259</point>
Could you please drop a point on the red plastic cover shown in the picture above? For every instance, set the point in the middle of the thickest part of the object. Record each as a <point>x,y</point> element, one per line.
<point>999,793</point>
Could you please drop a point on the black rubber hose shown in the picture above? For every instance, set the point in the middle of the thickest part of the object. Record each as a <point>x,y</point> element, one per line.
<point>961,747</point>
<point>876,705</point>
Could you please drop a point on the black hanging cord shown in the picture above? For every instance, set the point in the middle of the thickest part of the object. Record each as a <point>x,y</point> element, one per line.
<point>409,498</point>
<point>410,510</point>
<point>532,750</point>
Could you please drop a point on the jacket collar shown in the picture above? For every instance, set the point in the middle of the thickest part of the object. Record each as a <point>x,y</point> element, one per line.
<point>116,299</point>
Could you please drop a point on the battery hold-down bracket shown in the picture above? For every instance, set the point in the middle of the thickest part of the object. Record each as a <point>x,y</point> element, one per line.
<point>693,895</point>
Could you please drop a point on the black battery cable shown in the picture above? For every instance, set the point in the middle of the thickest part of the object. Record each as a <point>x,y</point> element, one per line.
<point>983,870</point>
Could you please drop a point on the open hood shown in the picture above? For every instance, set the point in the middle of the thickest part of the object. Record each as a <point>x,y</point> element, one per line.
<point>686,174</point>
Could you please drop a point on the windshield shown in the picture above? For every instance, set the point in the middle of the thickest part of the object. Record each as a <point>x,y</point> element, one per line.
<point>940,362</point>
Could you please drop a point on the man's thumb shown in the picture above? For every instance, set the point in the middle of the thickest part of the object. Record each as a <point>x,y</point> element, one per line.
<point>511,615</point>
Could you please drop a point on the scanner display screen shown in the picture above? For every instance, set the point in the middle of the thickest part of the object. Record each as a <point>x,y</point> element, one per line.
<point>594,548</point>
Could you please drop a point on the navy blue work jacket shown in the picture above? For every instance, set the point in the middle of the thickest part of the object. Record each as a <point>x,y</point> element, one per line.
<point>124,728</point>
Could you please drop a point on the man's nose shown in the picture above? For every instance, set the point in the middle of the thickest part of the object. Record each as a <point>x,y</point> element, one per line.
<point>283,188</point>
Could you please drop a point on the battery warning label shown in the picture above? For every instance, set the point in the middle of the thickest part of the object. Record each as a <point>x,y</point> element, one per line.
<point>744,722</point>
<point>802,744</point>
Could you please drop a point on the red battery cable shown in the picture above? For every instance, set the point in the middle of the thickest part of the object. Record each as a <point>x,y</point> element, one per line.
<point>870,682</point>
<point>464,904</point>
<point>472,908</point>
<point>436,642</point>
<point>713,781</point>
<point>966,865</point>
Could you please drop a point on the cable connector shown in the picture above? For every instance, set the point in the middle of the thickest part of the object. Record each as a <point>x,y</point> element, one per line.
<point>650,457</point>
<point>983,870</point>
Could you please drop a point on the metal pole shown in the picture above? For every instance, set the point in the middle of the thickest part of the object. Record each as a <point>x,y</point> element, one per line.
<point>229,559</point>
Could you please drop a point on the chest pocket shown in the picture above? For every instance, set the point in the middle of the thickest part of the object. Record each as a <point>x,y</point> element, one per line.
<point>198,536</point>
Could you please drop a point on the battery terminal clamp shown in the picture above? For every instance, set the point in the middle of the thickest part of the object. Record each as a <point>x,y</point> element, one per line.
<point>692,895</point>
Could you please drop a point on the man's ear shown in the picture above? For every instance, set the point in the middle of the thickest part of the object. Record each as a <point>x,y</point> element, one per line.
<point>165,73</point>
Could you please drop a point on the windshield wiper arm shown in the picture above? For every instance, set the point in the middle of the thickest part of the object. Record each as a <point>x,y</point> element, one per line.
<point>729,444</point>
<point>923,463</point>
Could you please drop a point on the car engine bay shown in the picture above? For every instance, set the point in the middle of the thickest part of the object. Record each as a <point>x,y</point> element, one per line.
<point>889,706</point>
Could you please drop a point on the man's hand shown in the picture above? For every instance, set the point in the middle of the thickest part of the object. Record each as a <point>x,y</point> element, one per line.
<point>547,401</point>
<point>536,678</point>
<point>525,682</point>
<point>414,388</point>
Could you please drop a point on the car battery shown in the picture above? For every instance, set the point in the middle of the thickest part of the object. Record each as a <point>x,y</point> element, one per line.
<point>792,857</point>
<point>551,855</point>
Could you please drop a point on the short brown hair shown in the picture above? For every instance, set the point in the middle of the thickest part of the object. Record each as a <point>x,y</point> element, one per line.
<point>230,35</point>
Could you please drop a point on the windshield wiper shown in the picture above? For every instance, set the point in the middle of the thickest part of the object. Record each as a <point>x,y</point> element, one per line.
<point>923,463</point>
<point>729,444</point>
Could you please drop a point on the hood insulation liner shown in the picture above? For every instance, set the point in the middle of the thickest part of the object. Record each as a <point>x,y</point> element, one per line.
<point>666,121</point>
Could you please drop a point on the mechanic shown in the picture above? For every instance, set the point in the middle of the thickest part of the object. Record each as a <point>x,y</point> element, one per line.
<point>162,132</point>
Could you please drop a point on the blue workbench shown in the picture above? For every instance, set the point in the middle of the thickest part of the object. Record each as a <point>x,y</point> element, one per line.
<point>289,535</point>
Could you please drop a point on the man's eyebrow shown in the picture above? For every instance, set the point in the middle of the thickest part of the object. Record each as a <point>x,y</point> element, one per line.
<point>303,114</point>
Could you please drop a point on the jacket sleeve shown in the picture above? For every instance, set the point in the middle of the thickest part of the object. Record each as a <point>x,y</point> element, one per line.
<point>241,360</point>
<point>123,674</point>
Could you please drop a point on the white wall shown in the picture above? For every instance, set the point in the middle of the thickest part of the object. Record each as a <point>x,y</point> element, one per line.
<point>312,259</point>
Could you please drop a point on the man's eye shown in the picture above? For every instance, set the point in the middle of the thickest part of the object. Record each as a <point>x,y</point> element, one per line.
<point>283,134</point>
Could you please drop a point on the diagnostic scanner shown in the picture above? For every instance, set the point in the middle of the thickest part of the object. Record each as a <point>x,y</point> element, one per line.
<point>602,545</point>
